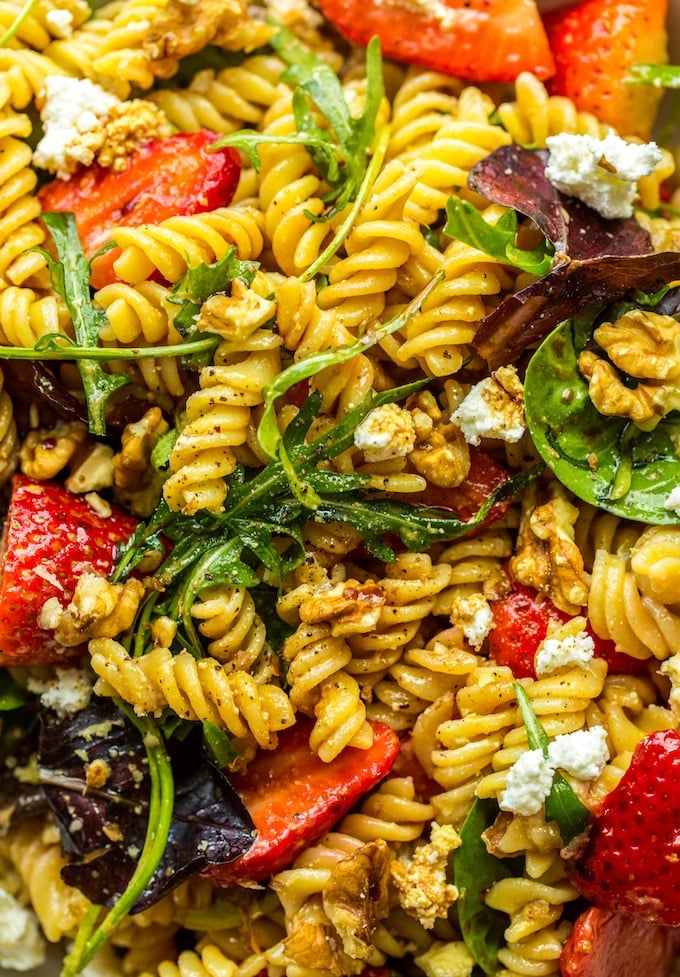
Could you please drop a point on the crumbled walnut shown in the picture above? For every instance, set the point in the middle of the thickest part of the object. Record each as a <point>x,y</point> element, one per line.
<point>97,773</point>
<point>349,607</point>
<point>642,345</point>
<point>236,316</point>
<point>128,125</point>
<point>46,451</point>
<point>355,898</point>
<point>93,472</point>
<point>547,556</point>
<point>136,482</point>
<point>421,881</point>
<point>443,458</point>
<point>98,610</point>
<point>185,28</point>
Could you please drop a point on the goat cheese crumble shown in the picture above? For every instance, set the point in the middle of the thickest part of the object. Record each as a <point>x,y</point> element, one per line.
<point>21,945</point>
<point>68,692</point>
<point>493,408</point>
<point>386,432</point>
<point>528,784</point>
<point>73,109</point>
<point>554,653</point>
<point>603,173</point>
<point>583,753</point>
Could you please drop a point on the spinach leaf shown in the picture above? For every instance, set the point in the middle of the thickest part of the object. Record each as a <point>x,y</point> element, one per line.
<point>466,224</point>
<point>474,872</point>
<point>604,460</point>
<point>561,805</point>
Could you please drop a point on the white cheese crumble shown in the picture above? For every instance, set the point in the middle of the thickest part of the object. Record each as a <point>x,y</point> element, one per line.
<point>528,784</point>
<point>603,173</point>
<point>386,432</point>
<point>554,653</point>
<point>673,500</point>
<point>583,753</point>
<point>21,945</point>
<point>493,408</point>
<point>67,692</point>
<point>60,22</point>
<point>73,107</point>
<point>472,612</point>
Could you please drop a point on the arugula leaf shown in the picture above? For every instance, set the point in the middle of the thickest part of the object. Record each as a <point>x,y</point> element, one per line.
<point>339,151</point>
<point>474,872</point>
<point>561,805</point>
<point>605,460</point>
<point>71,279</point>
<point>658,75</point>
<point>466,224</point>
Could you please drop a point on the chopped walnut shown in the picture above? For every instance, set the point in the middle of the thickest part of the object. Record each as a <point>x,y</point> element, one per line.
<point>349,607</point>
<point>236,316</point>
<point>92,472</point>
<point>185,28</point>
<point>421,881</point>
<point>136,482</point>
<point>356,896</point>
<point>128,125</point>
<point>99,609</point>
<point>547,556</point>
<point>642,345</point>
<point>443,458</point>
<point>46,451</point>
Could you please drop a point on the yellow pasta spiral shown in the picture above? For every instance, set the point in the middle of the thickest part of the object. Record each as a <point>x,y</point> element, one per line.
<point>195,690</point>
<point>236,633</point>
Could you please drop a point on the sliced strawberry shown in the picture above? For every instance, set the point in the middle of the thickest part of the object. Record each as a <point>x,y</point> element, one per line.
<point>631,861</point>
<point>520,623</point>
<point>50,537</point>
<point>164,178</point>
<point>480,40</point>
<point>595,43</point>
<point>607,944</point>
<point>294,798</point>
<point>485,476</point>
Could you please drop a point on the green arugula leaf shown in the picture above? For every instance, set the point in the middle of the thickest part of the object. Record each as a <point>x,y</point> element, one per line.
<point>605,460</point>
<point>562,804</point>
<point>199,282</point>
<point>71,279</point>
<point>658,75</point>
<point>341,150</point>
<point>466,224</point>
<point>220,747</point>
<point>474,872</point>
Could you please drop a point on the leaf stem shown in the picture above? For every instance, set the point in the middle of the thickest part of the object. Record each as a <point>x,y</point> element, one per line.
<point>17,22</point>
<point>106,353</point>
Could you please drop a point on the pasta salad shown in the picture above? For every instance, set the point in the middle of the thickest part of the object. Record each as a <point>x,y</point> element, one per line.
<point>339,461</point>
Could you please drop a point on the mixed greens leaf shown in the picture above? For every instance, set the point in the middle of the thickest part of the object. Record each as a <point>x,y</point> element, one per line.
<point>607,461</point>
<point>475,870</point>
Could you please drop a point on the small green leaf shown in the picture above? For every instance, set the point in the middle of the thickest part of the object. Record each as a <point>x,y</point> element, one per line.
<point>657,75</point>
<point>605,460</point>
<point>466,224</point>
<point>12,695</point>
<point>71,279</point>
<point>561,805</point>
<point>474,872</point>
<point>220,747</point>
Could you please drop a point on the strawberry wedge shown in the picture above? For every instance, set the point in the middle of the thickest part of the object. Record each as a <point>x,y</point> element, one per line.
<point>606,944</point>
<point>50,537</point>
<point>294,798</point>
<point>164,178</point>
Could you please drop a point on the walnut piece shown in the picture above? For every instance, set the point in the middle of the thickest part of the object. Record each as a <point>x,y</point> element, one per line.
<point>443,458</point>
<point>356,897</point>
<point>547,556</point>
<point>349,607</point>
<point>185,28</point>
<point>99,609</point>
<point>642,345</point>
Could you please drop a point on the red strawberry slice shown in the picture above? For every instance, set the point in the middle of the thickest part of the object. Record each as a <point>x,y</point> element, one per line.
<point>521,623</point>
<point>607,944</point>
<point>50,537</point>
<point>294,798</point>
<point>595,43</point>
<point>164,178</point>
<point>631,861</point>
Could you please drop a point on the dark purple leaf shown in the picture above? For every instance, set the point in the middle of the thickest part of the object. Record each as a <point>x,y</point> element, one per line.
<point>522,320</point>
<point>104,827</point>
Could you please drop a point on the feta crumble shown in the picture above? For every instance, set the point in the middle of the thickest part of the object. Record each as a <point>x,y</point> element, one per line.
<point>74,110</point>
<point>67,692</point>
<point>528,784</point>
<point>21,945</point>
<point>60,22</point>
<point>673,500</point>
<point>583,753</point>
<point>472,612</point>
<point>554,653</point>
<point>493,408</point>
<point>603,173</point>
<point>386,432</point>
